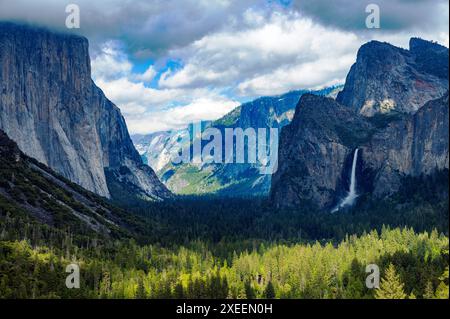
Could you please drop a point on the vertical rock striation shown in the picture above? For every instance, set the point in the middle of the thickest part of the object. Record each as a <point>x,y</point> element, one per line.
<point>415,145</point>
<point>51,107</point>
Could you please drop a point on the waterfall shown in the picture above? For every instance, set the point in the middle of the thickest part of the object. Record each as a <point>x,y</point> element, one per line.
<point>349,200</point>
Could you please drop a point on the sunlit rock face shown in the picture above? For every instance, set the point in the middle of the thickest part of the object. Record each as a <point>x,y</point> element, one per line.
<point>51,107</point>
<point>386,78</point>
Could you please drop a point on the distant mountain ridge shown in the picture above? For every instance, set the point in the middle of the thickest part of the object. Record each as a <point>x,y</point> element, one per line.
<point>222,179</point>
<point>51,107</point>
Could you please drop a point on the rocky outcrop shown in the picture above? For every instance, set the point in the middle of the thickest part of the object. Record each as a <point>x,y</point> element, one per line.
<point>393,108</point>
<point>313,151</point>
<point>386,78</point>
<point>317,148</point>
<point>51,107</point>
<point>415,145</point>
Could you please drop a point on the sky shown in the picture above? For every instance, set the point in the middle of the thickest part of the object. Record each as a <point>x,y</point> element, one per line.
<point>168,63</point>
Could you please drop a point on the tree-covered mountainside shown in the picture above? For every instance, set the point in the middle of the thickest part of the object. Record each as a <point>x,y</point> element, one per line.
<point>39,202</point>
<point>36,202</point>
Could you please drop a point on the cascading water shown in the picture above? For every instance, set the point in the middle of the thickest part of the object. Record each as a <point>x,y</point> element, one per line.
<point>349,200</point>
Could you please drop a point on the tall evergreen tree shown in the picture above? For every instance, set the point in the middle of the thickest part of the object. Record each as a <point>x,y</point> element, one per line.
<point>391,286</point>
<point>442,291</point>
<point>249,292</point>
<point>140,291</point>
<point>105,285</point>
<point>224,288</point>
<point>429,291</point>
<point>178,291</point>
<point>269,292</point>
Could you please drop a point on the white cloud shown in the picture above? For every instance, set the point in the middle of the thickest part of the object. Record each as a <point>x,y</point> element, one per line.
<point>277,52</point>
<point>308,55</point>
<point>202,109</point>
<point>313,75</point>
<point>123,92</point>
<point>149,109</point>
<point>259,53</point>
<point>147,76</point>
<point>110,62</point>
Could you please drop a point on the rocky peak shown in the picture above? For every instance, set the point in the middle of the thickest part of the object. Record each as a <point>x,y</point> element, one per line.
<point>419,46</point>
<point>386,78</point>
<point>430,57</point>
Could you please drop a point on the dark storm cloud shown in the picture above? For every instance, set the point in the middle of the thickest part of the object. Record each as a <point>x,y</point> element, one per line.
<point>151,27</point>
<point>148,27</point>
<point>395,14</point>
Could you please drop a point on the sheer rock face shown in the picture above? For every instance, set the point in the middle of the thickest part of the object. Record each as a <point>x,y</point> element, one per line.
<point>317,148</point>
<point>418,144</point>
<point>386,78</point>
<point>313,151</point>
<point>394,108</point>
<point>51,107</point>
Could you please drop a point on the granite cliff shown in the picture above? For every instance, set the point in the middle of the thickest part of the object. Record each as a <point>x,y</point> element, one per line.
<point>410,139</point>
<point>52,109</point>
<point>386,78</point>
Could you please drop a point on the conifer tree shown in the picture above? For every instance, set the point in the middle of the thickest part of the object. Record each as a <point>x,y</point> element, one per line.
<point>429,291</point>
<point>178,291</point>
<point>269,292</point>
<point>105,285</point>
<point>249,292</point>
<point>140,291</point>
<point>391,286</point>
<point>442,291</point>
<point>224,288</point>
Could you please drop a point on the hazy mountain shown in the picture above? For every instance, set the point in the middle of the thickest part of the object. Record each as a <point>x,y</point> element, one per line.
<point>221,179</point>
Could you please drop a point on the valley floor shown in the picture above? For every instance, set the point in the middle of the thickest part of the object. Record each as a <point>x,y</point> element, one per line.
<point>413,265</point>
